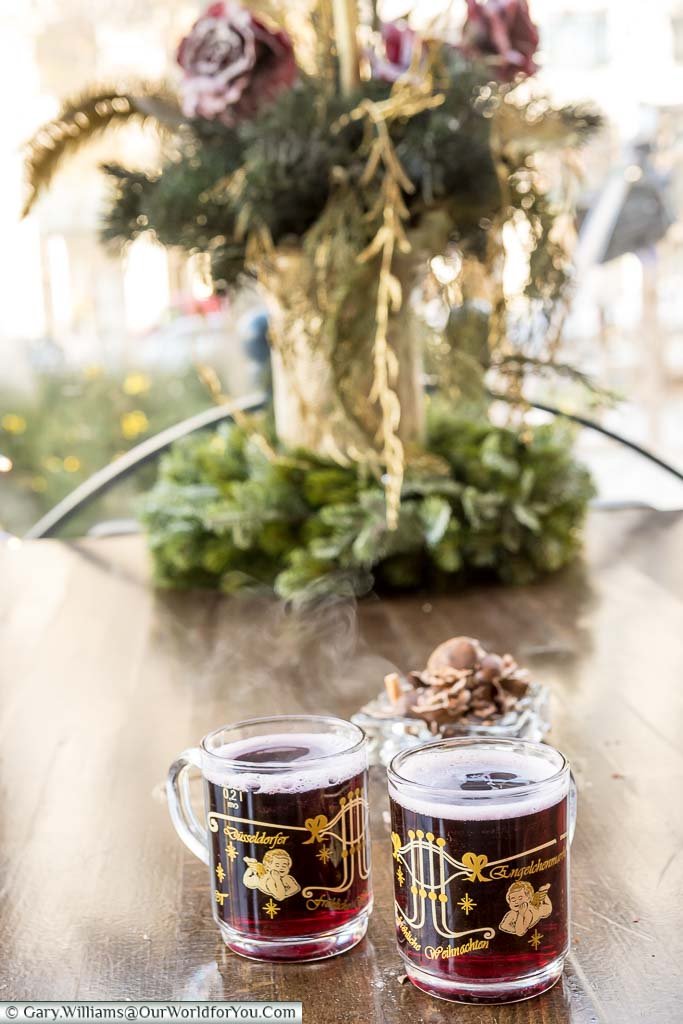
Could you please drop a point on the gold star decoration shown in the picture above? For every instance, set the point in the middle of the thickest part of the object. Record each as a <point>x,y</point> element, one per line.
<point>535,939</point>
<point>466,904</point>
<point>271,908</point>
<point>399,875</point>
<point>220,872</point>
<point>324,854</point>
<point>231,851</point>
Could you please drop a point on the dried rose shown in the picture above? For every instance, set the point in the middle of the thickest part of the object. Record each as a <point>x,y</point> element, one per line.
<point>398,43</point>
<point>502,33</point>
<point>233,64</point>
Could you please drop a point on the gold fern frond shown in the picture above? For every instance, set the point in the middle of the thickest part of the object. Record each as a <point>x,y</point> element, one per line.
<point>86,116</point>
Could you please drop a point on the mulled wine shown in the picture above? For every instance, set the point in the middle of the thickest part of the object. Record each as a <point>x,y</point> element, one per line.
<point>480,837</point>
<point>288,845</point>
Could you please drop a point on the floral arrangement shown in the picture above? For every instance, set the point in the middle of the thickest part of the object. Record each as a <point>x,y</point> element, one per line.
<point>355,170</point>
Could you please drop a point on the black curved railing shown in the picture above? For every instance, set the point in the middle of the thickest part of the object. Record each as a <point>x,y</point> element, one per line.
<point>102,481</point>
<point>599,429</point>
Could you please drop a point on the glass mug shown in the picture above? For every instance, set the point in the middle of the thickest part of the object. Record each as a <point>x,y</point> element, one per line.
<point>286,838</point>
<point>480,833</point>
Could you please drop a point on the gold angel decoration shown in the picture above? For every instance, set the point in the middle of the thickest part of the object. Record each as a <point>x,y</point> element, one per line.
<point>527,907</point>
<point>272,875</point>
<point>345,833</point>
<point>430,870</point>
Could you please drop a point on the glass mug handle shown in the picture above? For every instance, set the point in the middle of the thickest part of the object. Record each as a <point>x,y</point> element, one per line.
<point>571,806</point>
<point>186,823</point>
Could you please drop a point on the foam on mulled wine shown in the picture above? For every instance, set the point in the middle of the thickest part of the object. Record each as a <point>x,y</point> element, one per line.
<point>304,761</point>
<point>478,784</point>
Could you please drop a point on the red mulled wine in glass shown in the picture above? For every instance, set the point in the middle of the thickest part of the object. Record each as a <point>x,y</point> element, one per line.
<point>480,836</point>
<point>287,840</point>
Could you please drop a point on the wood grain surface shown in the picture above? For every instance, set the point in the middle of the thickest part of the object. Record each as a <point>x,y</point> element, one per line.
<point>103,682</point>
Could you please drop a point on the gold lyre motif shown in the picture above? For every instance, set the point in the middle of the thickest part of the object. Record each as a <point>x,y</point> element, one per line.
<point>347,828</point>
<point>430,870</point>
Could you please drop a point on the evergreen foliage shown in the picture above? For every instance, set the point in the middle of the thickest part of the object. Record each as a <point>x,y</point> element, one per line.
<point>503,504</point>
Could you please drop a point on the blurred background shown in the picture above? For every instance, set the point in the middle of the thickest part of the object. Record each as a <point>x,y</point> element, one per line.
<point>97,349</point>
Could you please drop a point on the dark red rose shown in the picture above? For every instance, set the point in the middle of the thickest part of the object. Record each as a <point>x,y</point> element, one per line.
<point>398,44</point>
<point>502,33</point>
<point>233,64</point>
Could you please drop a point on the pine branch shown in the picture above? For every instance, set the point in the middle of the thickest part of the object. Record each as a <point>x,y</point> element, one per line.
<point>509,504</point>
<point>519,363</point>
<point>86,117</point>
<point>523,129</point>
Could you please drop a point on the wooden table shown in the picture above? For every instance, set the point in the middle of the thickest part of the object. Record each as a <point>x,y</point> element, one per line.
<point>104,681</point>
